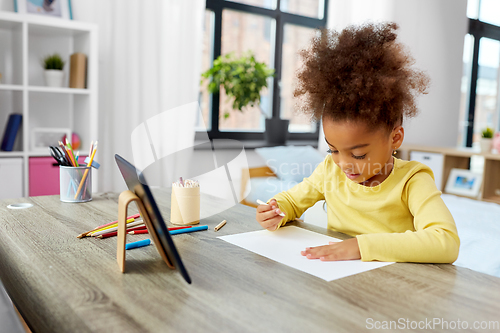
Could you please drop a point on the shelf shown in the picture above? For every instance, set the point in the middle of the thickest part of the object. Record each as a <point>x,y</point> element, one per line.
<point>25,39</point>
<point>9,20</point>
<point>488,164</point>
<point>494,199</point>
<point>16,87</point>
<point>47,154</point>
<point>39,153</point>
<point>59,90</point>
<point>11,153</point>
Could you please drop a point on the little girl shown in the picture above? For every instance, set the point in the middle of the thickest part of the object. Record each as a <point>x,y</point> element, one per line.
<point>360,83</point>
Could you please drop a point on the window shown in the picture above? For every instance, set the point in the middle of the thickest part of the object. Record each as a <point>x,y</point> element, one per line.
<point>274,30</point>
<point>480,107</point>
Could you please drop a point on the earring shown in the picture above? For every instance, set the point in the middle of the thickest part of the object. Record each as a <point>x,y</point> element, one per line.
<point>394,152</point>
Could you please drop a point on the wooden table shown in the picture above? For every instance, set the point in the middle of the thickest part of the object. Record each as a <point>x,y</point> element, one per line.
<point>63,284</point>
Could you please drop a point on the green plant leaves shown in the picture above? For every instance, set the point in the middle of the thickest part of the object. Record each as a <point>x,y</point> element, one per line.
<point>243,79</point>
<point>488,133</point>
<point>53,62</point>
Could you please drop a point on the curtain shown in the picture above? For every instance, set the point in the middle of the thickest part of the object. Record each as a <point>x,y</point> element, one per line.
<point>149,72</point>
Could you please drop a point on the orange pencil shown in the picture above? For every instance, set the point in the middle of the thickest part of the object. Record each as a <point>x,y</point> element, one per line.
<point>86,172</point>
<point>90,153</point>
<point>75,162</point>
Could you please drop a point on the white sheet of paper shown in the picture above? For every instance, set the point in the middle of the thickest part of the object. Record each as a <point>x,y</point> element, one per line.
<point>284,246</point>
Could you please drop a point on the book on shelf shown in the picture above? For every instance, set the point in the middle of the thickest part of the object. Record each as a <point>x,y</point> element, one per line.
<point>77,70</point>
<point>11,130</point>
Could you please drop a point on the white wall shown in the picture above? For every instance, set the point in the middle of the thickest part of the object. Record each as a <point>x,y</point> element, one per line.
<point>434,32</point>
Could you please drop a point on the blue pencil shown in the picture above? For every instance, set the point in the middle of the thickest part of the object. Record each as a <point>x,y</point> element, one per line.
<point>141,243</point>
<point>181,231</point>
<point>146,242</point>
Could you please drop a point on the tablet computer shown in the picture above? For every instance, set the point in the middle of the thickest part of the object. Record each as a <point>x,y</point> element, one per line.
<point>157,228</point>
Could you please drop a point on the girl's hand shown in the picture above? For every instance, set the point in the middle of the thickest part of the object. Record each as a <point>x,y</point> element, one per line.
<point>268,215</point>
<point>345,250</point>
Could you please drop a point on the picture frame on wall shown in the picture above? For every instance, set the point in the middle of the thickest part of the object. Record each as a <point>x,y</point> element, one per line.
<point>464,182</point>
<point>51,8</point>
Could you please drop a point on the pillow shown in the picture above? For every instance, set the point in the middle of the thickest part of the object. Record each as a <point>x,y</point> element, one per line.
<point>291,163</point>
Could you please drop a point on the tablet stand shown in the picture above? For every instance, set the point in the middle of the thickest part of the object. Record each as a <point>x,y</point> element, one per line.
<point>126,197</point>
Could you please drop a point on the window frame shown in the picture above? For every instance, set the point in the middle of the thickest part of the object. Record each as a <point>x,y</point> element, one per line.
<point>281,18</point>
<point>478,30</point>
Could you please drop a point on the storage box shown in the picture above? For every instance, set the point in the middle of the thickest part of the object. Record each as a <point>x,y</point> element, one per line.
<point>78,70</point>
<point>11,178</point>
<point>43,176</point>
<point>42,138</point>
<point>435,161</point>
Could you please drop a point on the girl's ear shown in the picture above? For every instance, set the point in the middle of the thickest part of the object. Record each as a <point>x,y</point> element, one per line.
<point>397,136</point>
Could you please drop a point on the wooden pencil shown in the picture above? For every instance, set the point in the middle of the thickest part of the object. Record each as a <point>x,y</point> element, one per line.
<point>131,218</point>
<point>114,233</point>
<point>138,232</point>
<point>220,225</point>
<point>103,231</point>
<point>86,171</point>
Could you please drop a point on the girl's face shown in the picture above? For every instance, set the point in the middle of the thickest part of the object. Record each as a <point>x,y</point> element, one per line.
<point>364,155</point>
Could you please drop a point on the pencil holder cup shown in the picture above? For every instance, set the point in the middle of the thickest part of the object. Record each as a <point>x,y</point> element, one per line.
<point>75,184</point>
<point>185,205</point>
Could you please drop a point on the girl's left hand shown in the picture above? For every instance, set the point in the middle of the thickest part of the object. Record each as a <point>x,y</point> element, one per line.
<point>345,250</point>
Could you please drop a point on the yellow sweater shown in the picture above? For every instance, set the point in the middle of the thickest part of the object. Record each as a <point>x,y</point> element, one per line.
<point>403,219</point>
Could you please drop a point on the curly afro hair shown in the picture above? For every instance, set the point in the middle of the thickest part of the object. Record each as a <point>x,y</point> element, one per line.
<point>359,74</point>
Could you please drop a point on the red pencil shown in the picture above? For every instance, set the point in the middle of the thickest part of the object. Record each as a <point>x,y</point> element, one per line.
<point>141,227</point>
<point>177,228</point>
<point>138,232</point>
<point>114,233</point>
<point>105,225</point>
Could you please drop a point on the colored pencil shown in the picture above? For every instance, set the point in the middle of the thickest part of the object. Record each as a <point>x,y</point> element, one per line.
<point>140,227</point>
<point>192,229</point>
<point>113,225</point>
<point>71,154</point>
<point>103,231</point>
<point>114,233</point>
<point>63,148</point>
<point>90,153</point>
<point>141,231</point>
<point>220,225</point>
<point>109,234</point>
<point>141,243</point>
<point>105,225</point>
<point>86,172</point>
<point>138,232</point>
<point>260,202</point>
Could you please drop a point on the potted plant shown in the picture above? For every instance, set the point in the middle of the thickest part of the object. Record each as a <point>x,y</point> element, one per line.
<point>486,139</point>
<point>243,79</point>
<point>53,66</point>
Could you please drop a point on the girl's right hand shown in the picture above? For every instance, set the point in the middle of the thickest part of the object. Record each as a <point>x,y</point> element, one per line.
<point>268,215</point>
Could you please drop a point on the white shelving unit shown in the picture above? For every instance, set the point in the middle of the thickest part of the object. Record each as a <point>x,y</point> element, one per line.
<point>460,158</point>
<point>25,39</point>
